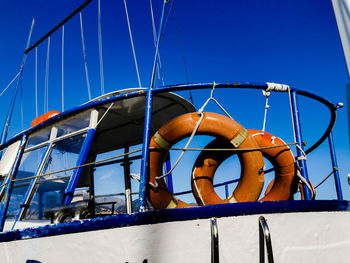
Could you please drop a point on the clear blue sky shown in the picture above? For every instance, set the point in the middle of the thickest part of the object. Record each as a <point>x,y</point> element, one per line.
<point>291,41</point>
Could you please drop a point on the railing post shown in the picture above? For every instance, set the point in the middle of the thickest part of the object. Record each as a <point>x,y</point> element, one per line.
<point>335,166</point>
<point>265,238</point>
<point>299,140</point>
<point>169,178</point>
<point>214,241</point>
<point>148,118</point>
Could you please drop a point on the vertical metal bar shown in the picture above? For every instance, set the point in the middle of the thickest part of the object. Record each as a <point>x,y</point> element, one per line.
<point>214,241</point>
<point>40,205</point>
<point>265,238</point>
<point>299,139</point>
<point>13,99</point>
<point>226,191</point>
<point>81,160</point>
<point>169,178</point>
<point>147,124</point>
<point>5,201</point>
<point>126,165</point>
<point>335,166</point>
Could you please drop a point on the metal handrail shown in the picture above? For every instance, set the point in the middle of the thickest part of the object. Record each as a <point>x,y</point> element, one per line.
<point>265,238</point>
<point>214,241</point>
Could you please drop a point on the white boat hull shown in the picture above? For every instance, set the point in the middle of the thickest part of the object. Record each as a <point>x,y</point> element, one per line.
<point>296,237</point>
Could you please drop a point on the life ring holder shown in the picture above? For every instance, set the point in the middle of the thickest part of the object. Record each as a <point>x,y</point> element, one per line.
<point>208,161</point>
<point>252,177</point>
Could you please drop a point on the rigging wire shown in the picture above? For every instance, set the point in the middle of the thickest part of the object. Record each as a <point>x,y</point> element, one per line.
<point>132,43</point>
<point>100,48</point>
<point>21,96</point>
<point>84,55</point>
<point>325,179</point>
<point>62,68</point>
<point>13,99</point>
<point>46,96</point>
<point>182,52</point>
<point>159,64</point>
<point>8,85</point>
<point>36,82</point>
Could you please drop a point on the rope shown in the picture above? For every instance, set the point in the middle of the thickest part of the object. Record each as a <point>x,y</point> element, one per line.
<point>36,82</point>
<point>183,151</point>
<point>100,48</point>
<point>213,99</point>
<point>303,180</point>
<point>334,169</point>
<point>62,69</point>
<point>222,149</point>
<point>46,97</point>
<point>110,106</point>
<point>200,112</point>
<point>84,55</point>
<point>132,43</point>
<point>8,85</point>
<point>152,149</point>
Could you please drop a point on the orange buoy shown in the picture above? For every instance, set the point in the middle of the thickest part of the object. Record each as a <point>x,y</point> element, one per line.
<point>252,177</point>
<point>208,161</point>
<point>44,117</point>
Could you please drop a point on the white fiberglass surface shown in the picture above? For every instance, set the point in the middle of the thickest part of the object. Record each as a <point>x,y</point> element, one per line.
<point>8,158</point>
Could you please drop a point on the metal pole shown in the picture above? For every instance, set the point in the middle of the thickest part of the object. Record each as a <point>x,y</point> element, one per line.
<point>214,241</point>
<point>147,124</point>
<point>76,11</point>
<point>335,167</point>
<point>298,136</point>
<point>13,99</point>
<point>265,238</point>
<point>126,165</point>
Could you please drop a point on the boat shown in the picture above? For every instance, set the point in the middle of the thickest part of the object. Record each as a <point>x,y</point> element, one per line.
<point>99,182</point>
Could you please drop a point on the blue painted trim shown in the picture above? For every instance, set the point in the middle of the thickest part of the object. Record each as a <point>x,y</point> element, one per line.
<point>145,152</point>
<point>81,160</point>
<point>5,201</point>
<point>173,215</point>
<point>169,178</point>
<point>28,197</point>
<point>335,167</point>
<point>148,120</point>
<point>299,138</point>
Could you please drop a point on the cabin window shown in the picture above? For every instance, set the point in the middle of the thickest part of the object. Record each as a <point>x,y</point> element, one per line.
<point>29,165</point>
<point>49,189</point>
<point>71,125</point>
<point>115,190</point>
<point>39,137</point>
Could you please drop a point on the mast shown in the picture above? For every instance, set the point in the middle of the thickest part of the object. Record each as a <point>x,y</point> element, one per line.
<point>341,10</point>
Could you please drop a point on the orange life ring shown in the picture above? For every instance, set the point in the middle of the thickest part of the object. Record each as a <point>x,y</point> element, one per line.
<point>252,178</point>
<point>208,161</point>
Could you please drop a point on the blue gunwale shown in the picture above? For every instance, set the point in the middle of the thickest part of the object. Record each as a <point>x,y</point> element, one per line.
<point>172,215</point>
